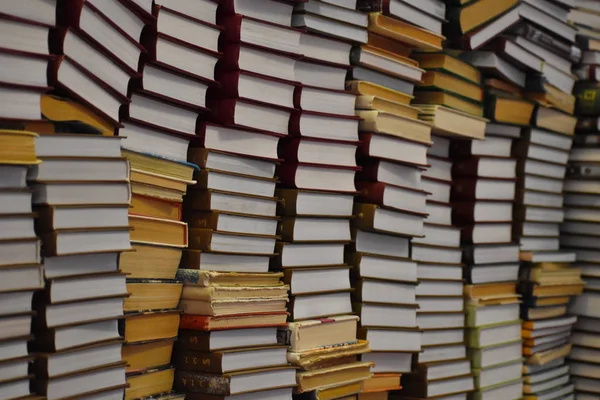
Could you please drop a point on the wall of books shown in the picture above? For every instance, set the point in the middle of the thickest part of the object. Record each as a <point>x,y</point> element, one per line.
<point>300,199</point>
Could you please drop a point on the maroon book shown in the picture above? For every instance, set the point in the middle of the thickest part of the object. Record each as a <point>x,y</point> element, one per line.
<point>70,15</point>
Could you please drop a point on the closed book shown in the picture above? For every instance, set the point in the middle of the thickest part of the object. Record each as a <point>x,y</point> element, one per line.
<point>155,207</point>
<point>467,18</point>
<point>588,104</point>
<point>207,341</point>
<point>200,67</point>
<point>238,321</point>
<point>147,326</point>
<point>317,177</point>
<point>508,110</point>
<point>548,41</point>
<point>236,382</point>
<point>318,151</point>
<point>404,32</point>
<point>554,120</point>
<point>225,221</point>
<point>485,166</point>
<point>242,243</point>
<point>224,361</point>
<point>247,84</point>
<point>74,12</point>
<point>158,231</point>
<point>283,39</point>
<point>372,217</point>
<point>275,119</point>
<point>65,82</point>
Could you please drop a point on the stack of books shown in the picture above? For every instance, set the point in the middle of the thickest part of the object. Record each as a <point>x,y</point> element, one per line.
<point>579,230</point>
<point>228,342</point>
<point>167,96</point>
<point>81,196</point>
<point>528,85</point>
<point>20,271</point>
<point>317,187</point>
<point>484,179</point>
<point>232,304</point>
<point>390,206</point>
<point>441,367</point>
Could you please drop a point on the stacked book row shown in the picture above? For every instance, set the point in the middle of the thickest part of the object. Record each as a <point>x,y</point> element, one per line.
<point>579,229</point>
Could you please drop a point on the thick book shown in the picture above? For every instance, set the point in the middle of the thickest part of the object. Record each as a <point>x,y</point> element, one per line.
<point>225,361</point>
<point>548,41</point>
<point>237,321</point>
<point>236,382</point>
<point>83,16</point>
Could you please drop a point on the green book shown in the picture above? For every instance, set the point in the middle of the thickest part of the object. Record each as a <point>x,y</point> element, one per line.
<point>492,334</point>
<point>505,371</point>
<point>491,355</point>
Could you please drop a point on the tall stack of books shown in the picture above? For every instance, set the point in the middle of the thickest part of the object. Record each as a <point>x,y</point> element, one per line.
<point>317,186</point>
<point>443,362</point>
<point>390,206</point>
<point>484,177</point>
<point>167,96</point>
<point>20,272</point>
<point>528,83</point>
<point>81,195</point>
<point>579,230</point>
<point>232,304</point>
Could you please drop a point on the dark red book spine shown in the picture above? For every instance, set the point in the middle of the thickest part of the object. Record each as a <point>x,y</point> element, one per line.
<point>371,192</point>
<point>464,189</point>
<point>466,167</point>
<point>368,172</point>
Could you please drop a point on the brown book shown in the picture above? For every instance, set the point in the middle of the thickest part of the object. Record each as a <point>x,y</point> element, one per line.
<point>232,221</point>
<point>483,166</point>
<point>412,387</point>
<point>369,217</point>
<point>221,384</point>
<point>509,88</point>
<point>231,360</point>
<point>202,239</point>
<point>84,381</point>
<point>210,199</point>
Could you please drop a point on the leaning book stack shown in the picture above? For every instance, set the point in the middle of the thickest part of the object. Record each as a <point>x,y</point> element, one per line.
<point>390,206</point>
<point>579,230</point>
<point>232,305</point>
<point>20,271</point>
<point>317,187</point>
<point>81,196</point>
<point>484,178</point>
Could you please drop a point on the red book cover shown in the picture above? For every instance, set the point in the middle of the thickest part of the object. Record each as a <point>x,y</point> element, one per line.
<point>203,322</point>
<point>464,188</point>
<point>371,192</point>
<point>69,15</point>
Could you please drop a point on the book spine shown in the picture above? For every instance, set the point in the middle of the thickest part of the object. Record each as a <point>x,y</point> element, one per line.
<point>198,361</point>
<point>201,382</point>
<point>371,192</point>
<point>193,340</point>
<point>466,167</point>
<point>464,189</point>
<point>372,5</point>
<point>233,28</point>
<point>549,42</point>
<point>194,322</point>
<point>287,174</point>
<point>463,212</point>
<point>203,220</point>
